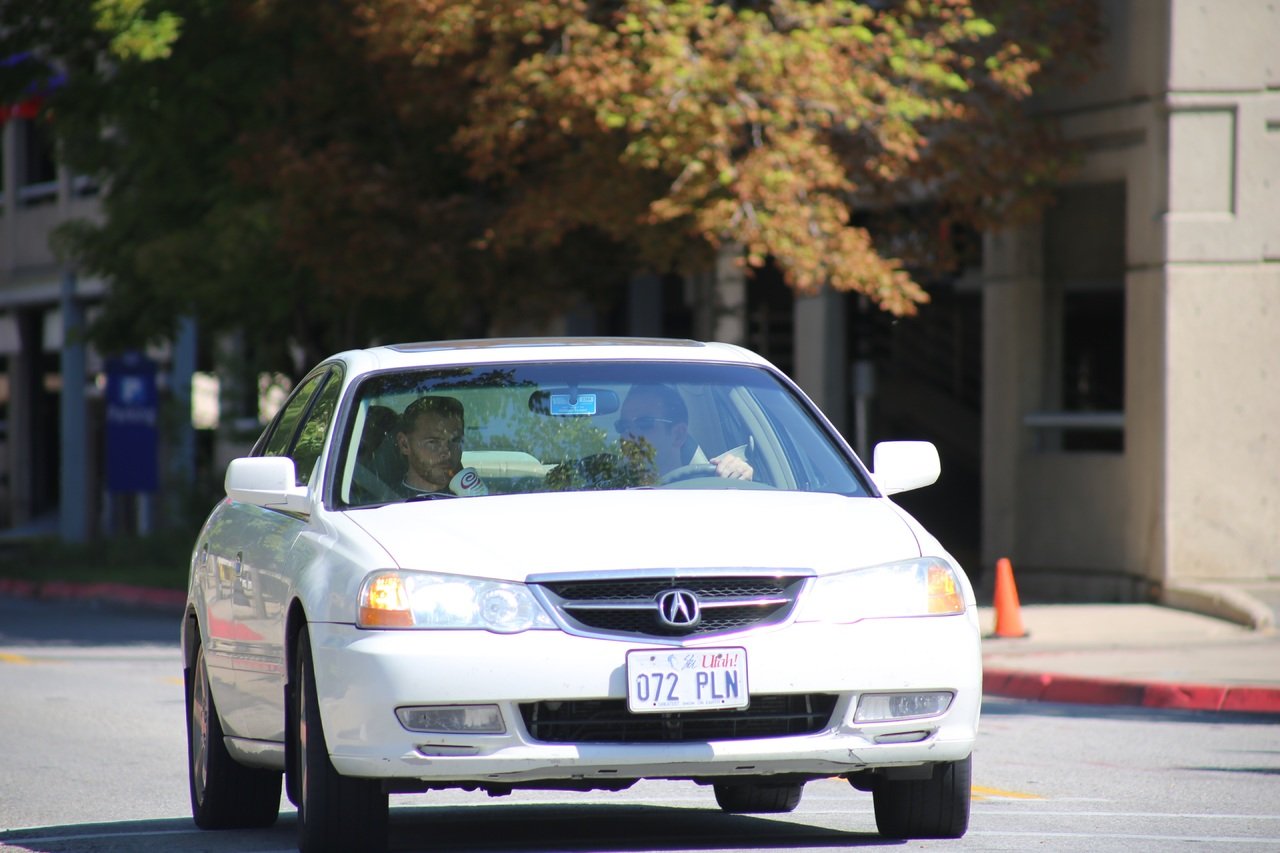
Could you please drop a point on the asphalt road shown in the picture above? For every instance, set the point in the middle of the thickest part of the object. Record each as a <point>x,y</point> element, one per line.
<point>92,758</point>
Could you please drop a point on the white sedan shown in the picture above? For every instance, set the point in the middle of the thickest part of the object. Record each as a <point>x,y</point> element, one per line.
<point>571,564</point>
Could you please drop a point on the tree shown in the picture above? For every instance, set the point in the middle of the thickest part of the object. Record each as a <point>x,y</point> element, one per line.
<point>321,175</point>
<point>681,126</point>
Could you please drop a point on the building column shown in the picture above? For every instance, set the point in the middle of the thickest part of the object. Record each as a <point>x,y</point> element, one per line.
<point>720,305</point>
<point>182,454</point>
<point>73,483</point>
<point>820,353</point>
<point>24,392</point>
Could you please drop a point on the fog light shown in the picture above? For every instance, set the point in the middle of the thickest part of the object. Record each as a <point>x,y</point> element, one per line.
<point>879,707</point>
<point>453,719</point>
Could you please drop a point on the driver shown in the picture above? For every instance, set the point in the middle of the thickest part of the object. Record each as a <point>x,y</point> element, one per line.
<point>430,439</point>
<point>656,416</point>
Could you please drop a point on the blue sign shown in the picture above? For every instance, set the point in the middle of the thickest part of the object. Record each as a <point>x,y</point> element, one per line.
<point>133,413</point>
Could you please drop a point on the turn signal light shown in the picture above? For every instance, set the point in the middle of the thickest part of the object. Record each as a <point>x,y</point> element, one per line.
<point>384,603</point>
<point>944,593</point>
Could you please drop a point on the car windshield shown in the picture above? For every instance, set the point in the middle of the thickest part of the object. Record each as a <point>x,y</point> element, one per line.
<point>577,426</point>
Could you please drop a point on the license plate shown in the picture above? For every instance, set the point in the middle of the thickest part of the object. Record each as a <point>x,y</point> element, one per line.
<point>686,679</point>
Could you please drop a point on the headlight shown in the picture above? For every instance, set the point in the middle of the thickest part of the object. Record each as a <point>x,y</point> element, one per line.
<point>925,587</point>
<point>424,600</point>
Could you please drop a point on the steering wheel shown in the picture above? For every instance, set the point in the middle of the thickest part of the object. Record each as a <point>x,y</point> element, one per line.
<point>687,472</point>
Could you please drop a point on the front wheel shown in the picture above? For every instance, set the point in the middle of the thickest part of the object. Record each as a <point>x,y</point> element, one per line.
<point>937,807</point>
<point>224,793</point>
<point>335,813</point>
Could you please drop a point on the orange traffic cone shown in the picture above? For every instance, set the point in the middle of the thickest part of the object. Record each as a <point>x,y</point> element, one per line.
<point>1008,610</point>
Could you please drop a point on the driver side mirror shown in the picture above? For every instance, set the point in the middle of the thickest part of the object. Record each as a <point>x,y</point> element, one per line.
<point>267,481</point>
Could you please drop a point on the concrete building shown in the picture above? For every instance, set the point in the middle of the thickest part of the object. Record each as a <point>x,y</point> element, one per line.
<point>1104,385</point>
<point>53,465</point>
<point>42,306</point>
<point>1132,339</point>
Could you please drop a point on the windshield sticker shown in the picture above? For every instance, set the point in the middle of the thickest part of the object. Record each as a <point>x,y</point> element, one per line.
<point>582,404</point>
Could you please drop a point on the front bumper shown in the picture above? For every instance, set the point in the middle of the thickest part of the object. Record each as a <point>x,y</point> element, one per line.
<point>363,676</point>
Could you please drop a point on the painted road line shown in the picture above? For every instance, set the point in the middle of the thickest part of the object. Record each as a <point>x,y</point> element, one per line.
<point>983,794</point>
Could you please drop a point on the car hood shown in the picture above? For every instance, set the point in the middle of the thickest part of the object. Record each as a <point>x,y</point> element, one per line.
<point>513,536</point>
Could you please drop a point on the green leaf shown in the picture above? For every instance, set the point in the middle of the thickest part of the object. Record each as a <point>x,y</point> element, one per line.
<point>133,35</point>
<point>979,28</point>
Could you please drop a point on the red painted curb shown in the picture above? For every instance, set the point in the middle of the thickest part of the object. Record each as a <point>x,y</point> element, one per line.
<point>165,599</point>
<point>1047,687</point>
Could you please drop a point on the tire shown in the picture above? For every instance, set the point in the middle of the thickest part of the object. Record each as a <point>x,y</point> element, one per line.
<point>224,793</point>
<point>937,807</point>
<point>336,813</point>
<point>758,797</point>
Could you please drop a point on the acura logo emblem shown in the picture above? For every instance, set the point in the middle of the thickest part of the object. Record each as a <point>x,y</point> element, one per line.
<point>678,608</point>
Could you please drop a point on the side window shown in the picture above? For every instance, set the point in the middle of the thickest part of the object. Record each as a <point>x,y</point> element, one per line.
<point>314,430</point>
<point>287,421</point>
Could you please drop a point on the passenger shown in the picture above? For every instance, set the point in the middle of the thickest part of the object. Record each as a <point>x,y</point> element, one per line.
<point>430,440</point>
<point>656,416</point>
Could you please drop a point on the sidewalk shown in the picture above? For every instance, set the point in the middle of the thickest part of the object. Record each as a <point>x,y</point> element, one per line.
<point>1142,655</point>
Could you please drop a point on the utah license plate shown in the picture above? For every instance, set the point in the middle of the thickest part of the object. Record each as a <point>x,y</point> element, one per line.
<point>686,679</point>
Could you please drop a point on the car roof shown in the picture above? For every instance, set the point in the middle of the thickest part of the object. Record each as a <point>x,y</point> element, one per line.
<point>495,350</point>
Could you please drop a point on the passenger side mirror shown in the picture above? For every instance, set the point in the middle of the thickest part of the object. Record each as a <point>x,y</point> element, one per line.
<point>900,466</point>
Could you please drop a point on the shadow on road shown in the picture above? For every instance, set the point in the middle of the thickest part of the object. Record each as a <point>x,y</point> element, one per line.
<point>81,623</point>
<point>522,828</point>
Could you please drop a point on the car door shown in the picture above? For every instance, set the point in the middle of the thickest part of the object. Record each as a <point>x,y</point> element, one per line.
<point>259,546</point>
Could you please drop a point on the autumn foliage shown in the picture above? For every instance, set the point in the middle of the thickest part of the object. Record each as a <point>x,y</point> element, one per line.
<point>325,174</point>
<point>683,125</point>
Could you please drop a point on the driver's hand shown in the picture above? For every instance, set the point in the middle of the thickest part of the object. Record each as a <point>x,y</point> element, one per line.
<point>731,467</point>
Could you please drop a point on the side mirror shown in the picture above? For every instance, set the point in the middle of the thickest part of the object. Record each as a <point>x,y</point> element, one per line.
<point>267,481</point>
<point>900,466</point>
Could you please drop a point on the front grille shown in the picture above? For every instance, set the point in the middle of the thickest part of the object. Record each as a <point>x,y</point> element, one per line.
<point>628,607</point>
<point>609,721</point>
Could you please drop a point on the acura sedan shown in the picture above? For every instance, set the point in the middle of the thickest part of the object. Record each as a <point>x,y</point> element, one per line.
<point>571,564</point>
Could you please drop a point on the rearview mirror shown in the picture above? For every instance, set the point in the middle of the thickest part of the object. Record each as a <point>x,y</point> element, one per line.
<point>571,402</point>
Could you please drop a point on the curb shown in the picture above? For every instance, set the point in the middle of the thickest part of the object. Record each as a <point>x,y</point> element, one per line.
<point>118,593</point>
<point>1046,687</point>
<point>1222,602</point>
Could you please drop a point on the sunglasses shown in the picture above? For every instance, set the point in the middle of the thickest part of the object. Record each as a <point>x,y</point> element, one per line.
<point>642,424</point>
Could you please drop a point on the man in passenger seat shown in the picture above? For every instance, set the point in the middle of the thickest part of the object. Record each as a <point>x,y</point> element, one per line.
<point>657,415</point>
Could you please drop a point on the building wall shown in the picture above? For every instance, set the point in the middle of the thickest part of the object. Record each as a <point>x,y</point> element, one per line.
<point>49,425</point>
<point>1223,305</point>
<point>1185,113</point>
